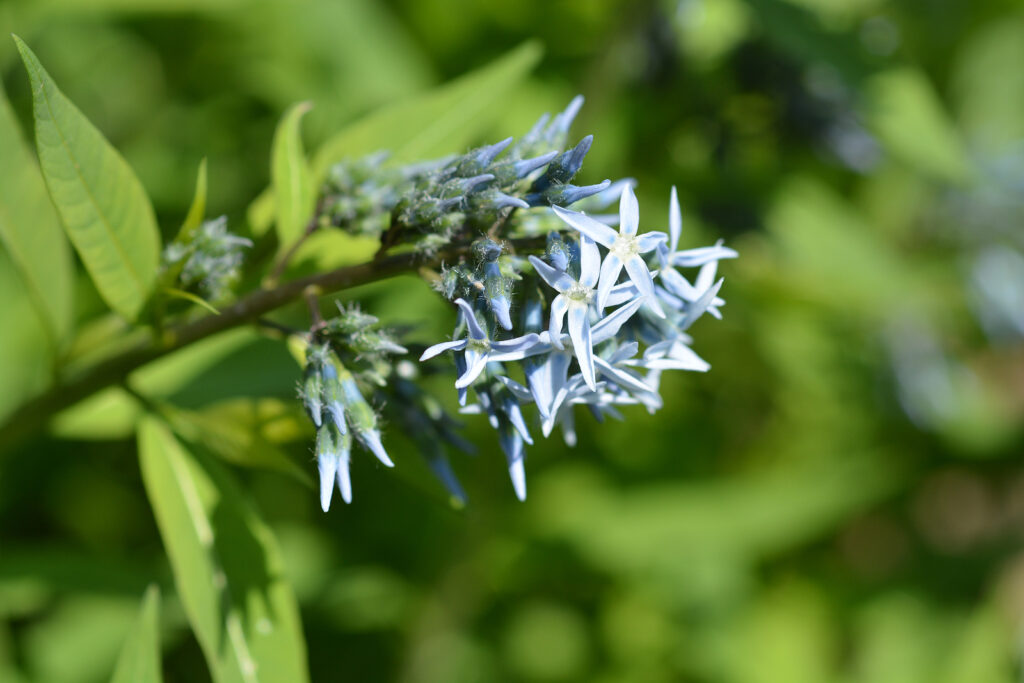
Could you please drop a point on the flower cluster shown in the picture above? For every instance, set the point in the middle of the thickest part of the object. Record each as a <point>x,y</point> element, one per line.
<point>555,307</point>
<point>588,350</point>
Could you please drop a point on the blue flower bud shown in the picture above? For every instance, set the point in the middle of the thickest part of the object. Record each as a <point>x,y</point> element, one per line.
<point>527,166</point>
<point>564,167</point>
<point>495,199</point>
<point>564,195</point>
<point>557,252</point>
<point>312,393</point>
<point>560,126</point>
<point>487,249</point>
<point>332,397</point>
<point>361,417</point>
<point>457,187</point>
<point>487,154</point>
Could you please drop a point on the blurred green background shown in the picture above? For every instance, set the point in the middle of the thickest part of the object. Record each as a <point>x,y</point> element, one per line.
<point>840,499</point>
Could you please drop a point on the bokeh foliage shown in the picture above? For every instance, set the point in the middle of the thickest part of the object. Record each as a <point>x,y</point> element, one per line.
<point>839,499</point>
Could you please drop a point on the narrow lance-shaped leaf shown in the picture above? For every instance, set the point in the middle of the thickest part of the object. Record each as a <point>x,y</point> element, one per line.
<point>189,227</point>
<point>289,172</point>
<point>30,230</point>
<point>139,661</point>
<point>197,210</point>
<point>438,122</point>
<point>227,568</point>
<point>102,204</point>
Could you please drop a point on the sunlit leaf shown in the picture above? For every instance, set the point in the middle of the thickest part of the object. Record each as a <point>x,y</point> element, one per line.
<point>905,112</point>
<point>226,564</point>
<point>290,175</point>
<point>30,230</point>
<point>102,204</point>
<point>246,432</point>
<point>197,210</point>
<point>189,296</point>
<point>439,122</point>
<point>140,657</point>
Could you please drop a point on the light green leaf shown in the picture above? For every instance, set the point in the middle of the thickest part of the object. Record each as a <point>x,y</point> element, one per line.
<point>908,116</point>
<point>246,431</point>
<point>290,175</point>
<point>433,124</point>
<point>438,123</point>
<point>30,230</point>
<point>139,661</point>
<point>197,211</point>
<point>227,568</point>
<point>102,204</point>
<point>189,296</point>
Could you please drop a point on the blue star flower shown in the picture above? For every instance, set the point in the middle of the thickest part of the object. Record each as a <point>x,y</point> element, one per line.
<point>478,349</point>
<point>624,248</point>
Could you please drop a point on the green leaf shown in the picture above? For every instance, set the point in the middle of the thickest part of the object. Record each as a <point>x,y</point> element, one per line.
<point>139,661</point>
<point>438,123</point>
<point>909,118</point>
<point>103,206</point>
<point>246,432</point>
<point>196,212</point>
<point>290,175</point>
<point>189,296</point>
<point>433,124</point>
<point>227,568</point>
<point>30,230</point>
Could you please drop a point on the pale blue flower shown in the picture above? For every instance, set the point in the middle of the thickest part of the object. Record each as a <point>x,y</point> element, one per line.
<point>478,349</point>
<point>574,298</point>
<point>624,248</point>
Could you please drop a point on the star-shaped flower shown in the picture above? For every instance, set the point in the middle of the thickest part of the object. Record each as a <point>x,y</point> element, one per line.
<point>574,297</point>
<point>479,349</point>
<point>624,248</point>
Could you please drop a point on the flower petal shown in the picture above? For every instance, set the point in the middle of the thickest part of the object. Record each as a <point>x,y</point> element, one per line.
<point>586,225</point>
<point>557,279</point>
<point>590,262</point>
<point>629,212</point>
<point>641,277</point>
<point>610,270</point>
<point>698,307</point>
<point>610,325</point>
<point>558,309</point>
<point>691,258</point>
<point>475,331</point>
<point>436,349</point>
<point>579,331</point>
<point>675,220</point>
<point>649,241</point>
<point>512,349</point>
<point>475,364</point>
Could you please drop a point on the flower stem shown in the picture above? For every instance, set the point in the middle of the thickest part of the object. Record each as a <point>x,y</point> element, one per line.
<point>36,413</point>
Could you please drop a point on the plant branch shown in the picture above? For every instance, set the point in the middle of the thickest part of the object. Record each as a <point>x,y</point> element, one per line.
<point>36,413</point>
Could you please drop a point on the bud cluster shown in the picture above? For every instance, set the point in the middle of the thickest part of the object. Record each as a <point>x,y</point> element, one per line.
<point>207,259</point>
<point>339,412</point>
<point>430,205</point>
